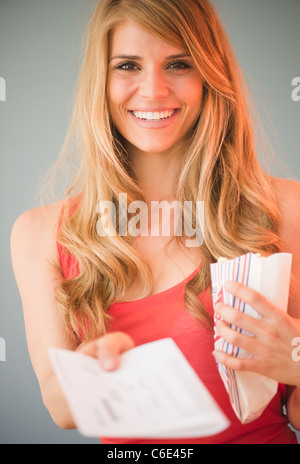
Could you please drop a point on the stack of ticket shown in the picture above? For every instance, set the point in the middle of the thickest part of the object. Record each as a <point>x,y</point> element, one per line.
<point>249,393</point>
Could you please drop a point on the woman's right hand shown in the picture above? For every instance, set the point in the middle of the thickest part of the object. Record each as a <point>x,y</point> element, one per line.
<point>107,349</point>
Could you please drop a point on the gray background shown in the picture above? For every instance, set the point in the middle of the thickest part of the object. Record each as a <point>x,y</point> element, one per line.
<point>40,45</point>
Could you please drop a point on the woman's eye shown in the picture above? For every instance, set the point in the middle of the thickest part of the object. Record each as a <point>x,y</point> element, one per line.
<point>131,67</point>
<point>126,67</point>
<point>180,66</point>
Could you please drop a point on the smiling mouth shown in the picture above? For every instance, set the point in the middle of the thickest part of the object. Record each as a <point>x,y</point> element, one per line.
<point>154,116</point>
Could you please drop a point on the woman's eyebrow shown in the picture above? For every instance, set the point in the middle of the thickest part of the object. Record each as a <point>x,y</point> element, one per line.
<point>139,58</point>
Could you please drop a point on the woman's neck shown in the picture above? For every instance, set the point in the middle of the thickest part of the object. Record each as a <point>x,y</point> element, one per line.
<point>157,173</point>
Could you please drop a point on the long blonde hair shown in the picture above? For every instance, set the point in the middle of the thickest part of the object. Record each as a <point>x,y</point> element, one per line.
<point>220,167</point>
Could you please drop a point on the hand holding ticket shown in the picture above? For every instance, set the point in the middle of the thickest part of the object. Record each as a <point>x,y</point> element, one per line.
<point>249,392</point>
<point>154,393</point>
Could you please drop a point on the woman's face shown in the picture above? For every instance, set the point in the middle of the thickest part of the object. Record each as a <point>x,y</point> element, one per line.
<point>154,90</point>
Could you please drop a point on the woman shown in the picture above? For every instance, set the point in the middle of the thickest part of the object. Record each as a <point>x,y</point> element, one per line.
<point>161,115</point>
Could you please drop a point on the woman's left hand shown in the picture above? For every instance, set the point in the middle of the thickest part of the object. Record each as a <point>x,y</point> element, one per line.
<point>273,344</point>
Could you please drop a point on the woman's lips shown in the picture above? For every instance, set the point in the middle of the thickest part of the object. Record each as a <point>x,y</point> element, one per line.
<point>154,124</point>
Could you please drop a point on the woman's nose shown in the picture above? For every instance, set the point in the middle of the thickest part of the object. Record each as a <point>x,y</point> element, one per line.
<point>153,85</point>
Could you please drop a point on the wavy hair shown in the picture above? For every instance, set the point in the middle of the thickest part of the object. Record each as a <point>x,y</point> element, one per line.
<point>220,166</point>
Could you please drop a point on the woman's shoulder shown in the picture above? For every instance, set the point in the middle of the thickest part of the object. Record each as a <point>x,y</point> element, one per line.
<point>287,194</point>
<point>34,231</point>
<point>38,220</point>
<point>284,186</point>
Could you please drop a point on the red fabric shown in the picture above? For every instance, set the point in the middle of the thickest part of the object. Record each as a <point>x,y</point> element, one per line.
<point>164,315</point>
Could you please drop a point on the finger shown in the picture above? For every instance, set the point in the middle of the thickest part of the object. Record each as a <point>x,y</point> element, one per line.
<point>234,337</point>
<point>256,300</point>
<point>88,349</point>
<point>240,319</point>
<point>107,349</point>
<point>111,346</point>
<point>237,364</point>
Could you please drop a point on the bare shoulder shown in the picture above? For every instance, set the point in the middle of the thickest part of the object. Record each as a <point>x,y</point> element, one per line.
<point>287,193</point>
<point>34,231</point>
<point>39,218</point>
<point>37,272</point>
<point>284,187</point>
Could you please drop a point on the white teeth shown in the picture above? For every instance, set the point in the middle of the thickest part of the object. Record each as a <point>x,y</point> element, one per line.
<point>157,116</point>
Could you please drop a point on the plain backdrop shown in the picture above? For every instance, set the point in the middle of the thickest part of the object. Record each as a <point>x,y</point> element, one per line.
<point>40,51</point>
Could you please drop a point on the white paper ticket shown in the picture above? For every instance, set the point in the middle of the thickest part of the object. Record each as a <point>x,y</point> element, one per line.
<point>154,393</point>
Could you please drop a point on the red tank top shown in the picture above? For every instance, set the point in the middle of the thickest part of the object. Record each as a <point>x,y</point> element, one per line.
<point>165,315</point>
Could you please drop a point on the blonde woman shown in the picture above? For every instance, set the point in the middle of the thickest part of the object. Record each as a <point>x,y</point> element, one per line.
<point>161,115</point>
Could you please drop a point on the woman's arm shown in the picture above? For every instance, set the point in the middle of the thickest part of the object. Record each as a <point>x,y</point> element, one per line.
<point>35,264</point>
<point>37,271</point>
<point>289,200</point>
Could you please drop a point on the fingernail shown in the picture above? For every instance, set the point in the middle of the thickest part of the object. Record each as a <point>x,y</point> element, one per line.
<point>108,363</point>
